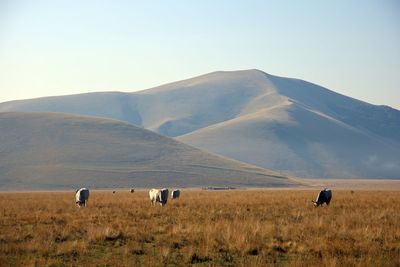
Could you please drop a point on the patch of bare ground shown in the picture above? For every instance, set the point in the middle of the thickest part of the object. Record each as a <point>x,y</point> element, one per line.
<point>203,228</point>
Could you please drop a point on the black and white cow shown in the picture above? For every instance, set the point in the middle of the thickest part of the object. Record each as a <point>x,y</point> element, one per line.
<point>175,194</point>
<point>82,197</point>
<point>324,196</point>
<point>158,196</point>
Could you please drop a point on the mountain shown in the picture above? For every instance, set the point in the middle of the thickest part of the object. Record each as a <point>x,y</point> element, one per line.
<point>273,122</point>
<point>63,151</point>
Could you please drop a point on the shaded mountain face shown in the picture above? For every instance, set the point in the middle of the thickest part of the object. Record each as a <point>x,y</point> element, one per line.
<point>273,122</point>
<point>62,151</point>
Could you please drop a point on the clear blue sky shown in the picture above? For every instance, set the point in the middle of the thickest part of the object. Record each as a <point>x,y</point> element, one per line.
<point>65,47</point>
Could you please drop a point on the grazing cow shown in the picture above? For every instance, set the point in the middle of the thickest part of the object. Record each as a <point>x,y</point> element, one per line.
<point>324,196</point>
<point>158,195</point>
<point>132,190</point>
<point>82,197</point>
<point>175,194</point>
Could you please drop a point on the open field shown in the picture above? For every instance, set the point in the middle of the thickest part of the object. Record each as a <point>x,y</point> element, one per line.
<point>203,228</point>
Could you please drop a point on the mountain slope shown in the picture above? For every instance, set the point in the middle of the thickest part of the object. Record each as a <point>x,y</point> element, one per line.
<point>61,151</point>
<point>274,122</point>
<point>297,140</point>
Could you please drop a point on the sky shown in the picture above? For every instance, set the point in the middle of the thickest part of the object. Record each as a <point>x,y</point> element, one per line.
<point>68,47</point>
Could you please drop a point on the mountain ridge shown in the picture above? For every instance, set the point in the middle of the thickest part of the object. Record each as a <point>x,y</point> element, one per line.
<point>187,108</point>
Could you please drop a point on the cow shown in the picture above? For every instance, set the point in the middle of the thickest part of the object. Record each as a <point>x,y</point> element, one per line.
<point>175,194</point>
<point>324,196</point>
<point>82,197</point>
<point>159,195</point>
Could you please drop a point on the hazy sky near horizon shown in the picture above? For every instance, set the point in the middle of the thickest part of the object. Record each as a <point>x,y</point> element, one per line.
<point>68,47</point>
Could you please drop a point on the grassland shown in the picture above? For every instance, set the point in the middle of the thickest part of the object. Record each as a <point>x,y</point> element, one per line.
<point>203,228</point>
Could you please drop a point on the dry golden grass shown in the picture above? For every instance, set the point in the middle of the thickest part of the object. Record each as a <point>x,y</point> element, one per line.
<point>203,228</point>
